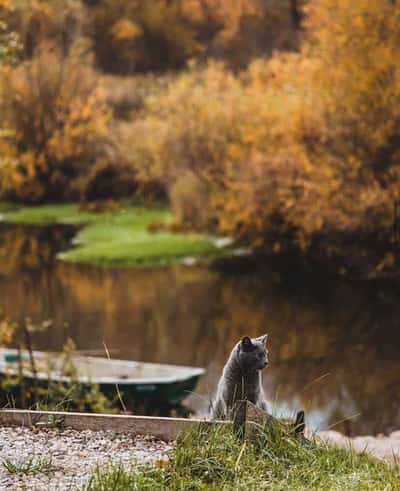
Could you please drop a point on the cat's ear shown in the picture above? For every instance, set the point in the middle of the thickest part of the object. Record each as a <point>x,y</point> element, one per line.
<point>263,339</point>
<point>246,344</point>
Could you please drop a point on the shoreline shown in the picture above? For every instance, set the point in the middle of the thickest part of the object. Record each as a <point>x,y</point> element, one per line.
<point>384,447</point>
<point>129,236</point>
<point>66,458</point>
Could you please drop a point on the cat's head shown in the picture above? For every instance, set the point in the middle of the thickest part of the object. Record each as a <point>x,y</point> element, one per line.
<point>253,354</point>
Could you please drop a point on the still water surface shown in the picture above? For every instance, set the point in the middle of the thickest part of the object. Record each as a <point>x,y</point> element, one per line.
<point>334,345</point>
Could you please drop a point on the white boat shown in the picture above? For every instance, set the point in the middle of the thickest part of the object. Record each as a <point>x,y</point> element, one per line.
<point>135,380</point>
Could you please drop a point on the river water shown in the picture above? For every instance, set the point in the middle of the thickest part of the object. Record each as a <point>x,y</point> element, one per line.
<point>334,344</point>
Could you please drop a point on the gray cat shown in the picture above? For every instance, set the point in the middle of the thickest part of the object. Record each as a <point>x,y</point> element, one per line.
<point>241,377</point>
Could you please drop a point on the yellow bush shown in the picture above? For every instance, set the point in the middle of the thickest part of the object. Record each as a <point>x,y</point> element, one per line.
<point>213,140</point>
<point>189,132</point>
<point>356,76</point>
<point>58,127</point>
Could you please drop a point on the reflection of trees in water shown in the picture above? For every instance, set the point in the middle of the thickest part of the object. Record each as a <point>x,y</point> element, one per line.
<point>25,248</point>
<point>149,315</point>
<point>194,316</point>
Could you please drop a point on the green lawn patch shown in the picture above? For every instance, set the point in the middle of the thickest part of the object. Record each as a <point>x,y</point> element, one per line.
<point>121,237</point>
<point>52,214</point>
<point>217,460</point>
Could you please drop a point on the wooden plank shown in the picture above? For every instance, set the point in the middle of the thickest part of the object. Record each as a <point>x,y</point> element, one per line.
<point>162,428</point>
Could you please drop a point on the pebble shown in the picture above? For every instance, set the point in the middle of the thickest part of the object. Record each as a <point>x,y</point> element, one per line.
<point>74,455</point>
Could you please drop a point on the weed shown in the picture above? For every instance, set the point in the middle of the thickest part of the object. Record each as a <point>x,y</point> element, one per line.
<point>32,466</point>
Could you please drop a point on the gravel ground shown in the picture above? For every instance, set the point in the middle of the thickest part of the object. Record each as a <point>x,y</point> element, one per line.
<point>73,455</point>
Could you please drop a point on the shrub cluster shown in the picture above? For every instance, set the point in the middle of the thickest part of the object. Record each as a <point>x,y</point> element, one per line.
<point>58,142</point>
<point>288,152</point>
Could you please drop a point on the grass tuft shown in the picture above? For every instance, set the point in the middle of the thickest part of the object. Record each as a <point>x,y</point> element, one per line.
<point>216,459</point>
<point>118,478</point>
<point>32,466</point>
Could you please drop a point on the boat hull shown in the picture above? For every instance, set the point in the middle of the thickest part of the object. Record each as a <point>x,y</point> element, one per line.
<point>149,391</point>
<point>134,396</point>
<point>172,392</point>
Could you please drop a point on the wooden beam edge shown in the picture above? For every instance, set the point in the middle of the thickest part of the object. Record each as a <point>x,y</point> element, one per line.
<point>158,427</point>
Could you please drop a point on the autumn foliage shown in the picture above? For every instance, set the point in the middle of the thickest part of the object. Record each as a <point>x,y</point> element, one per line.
<point>163,34</point>
<point>57,128</point>
<point>297,151</point>
<point>275,122</point>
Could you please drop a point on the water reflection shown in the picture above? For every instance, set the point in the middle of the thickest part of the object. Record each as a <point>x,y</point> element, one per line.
<point>334,345</point>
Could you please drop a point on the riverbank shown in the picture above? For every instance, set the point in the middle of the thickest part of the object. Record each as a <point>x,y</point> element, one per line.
<point>125,236</point>
<point>44,459</point>
<point>381,446</point>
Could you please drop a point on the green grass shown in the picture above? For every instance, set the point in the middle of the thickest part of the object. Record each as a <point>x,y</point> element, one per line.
<point>52,214</point>
<point>31,466</point>
<point>217,460</point>
<point>118,238</point>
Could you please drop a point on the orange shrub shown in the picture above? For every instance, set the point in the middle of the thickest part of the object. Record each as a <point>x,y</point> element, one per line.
<point>57,128</point>
<point>356,77</point>
<point>187,135</point>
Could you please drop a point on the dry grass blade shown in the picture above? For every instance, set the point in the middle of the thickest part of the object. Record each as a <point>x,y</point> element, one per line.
<point>116,385</point>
